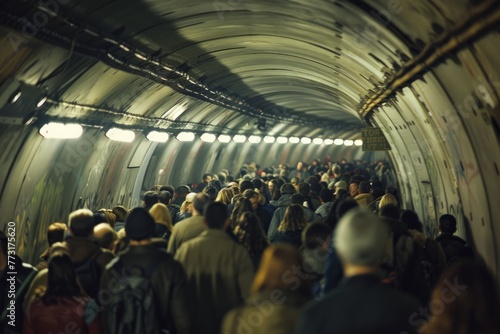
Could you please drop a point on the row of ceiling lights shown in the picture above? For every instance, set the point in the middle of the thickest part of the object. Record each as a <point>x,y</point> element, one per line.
<point>73,131</point>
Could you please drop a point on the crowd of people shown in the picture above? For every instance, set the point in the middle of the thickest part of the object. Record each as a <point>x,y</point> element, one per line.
<point>319,248</point>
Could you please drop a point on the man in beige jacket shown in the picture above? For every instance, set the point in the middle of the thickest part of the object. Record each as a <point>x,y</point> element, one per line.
<point>219,271</point>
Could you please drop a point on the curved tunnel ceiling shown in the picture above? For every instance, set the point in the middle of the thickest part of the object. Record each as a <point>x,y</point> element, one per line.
<point>425,72</point>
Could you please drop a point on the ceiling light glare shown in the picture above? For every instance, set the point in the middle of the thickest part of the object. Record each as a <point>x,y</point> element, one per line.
<point>61,131</point>
<point>208,137</point>
<point>348,142</point>
<point>120,135</point>
<point>282,140</point>
<point>294,140</point>
<point>328,141</point>
<point>358,142</point>
<point>239,139</point>
<point>305,140</point>
<point>254,139</point>
<point>41,102</point>
<point>224,138</point>
<point>338,142</point>
<point>269,139</point>
<point>160,137</point>
<point>185,136</point>
<point>318,141</point>
<point>15,96</point>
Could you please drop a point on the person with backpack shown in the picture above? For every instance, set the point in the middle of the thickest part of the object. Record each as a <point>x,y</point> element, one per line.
<point>145,287</point>
<point>88,258</point>
<point>455,248</point>
<point>429,260</point>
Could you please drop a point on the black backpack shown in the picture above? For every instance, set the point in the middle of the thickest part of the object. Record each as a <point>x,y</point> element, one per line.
<point>423,270</point>
<point>132,306</point>
<point>89,275</point>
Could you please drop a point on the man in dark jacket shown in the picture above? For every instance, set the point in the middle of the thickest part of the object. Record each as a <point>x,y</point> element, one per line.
<point>361,304</point>
<point>167,276</point>
<point>454,247</point>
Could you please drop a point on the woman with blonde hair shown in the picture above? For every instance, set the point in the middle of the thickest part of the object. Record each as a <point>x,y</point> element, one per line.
<point>465,300</point>
<point>225,196</point>
<point>163,220</point>
<point>283,298</point>
<point>387,199</point>
<point>290,229</point>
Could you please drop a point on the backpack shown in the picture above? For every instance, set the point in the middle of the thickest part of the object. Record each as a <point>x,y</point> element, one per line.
<point>89,275</point>
<point>423,270</point>
<point>132,306</point>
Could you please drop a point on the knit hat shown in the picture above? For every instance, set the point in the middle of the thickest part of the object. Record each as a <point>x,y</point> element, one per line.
<point>340,185</point>
<point>139,224</point>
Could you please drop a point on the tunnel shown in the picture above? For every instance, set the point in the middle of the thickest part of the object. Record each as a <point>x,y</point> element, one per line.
<point>160,92</point>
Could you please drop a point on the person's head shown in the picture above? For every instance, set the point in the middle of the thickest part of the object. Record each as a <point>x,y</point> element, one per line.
<point>182,191</point>
<point>253,197</point>
<point>294,219</point>
<point>61,278</point>
<point>81,223</point>
<point>257,184</point>
<point>170,188</point>
<point>326,195</point>
<point>287,189</point>
<point>278,261</point>
<point>410,220</point>
<point>297,199</point>
<point>316,235</point>
<point>108,215</point>
<point>216,184</point>
<point>200,201</point>
<point>336,171</point>
<point>304,189</point>
<point>387,199</point>
<point>377,189</point>
<point>105,236</point>
<point>206,178</point>
<point>244,185</point>
<point>211,192</point>
<point>447,224</point>
<point>215,215</point>
<point>340,185</point>
<point>187,205</point>
<point>56,233</point>
<point>222,178</point>
<point>299,165</point>
<point>139,225</point>
<point>344,206</point>
<point>164,197</point>
<point>360,240</point>
<point>150,198</point>
<point>249,232</point>
<point>120,213</point>
<point>273,185</point>
<point>353,188</point>
<point>468,299</point>
<point>389,211</point>
<point>161,215</point>
<point>364,187</point>
<point>225,195</point>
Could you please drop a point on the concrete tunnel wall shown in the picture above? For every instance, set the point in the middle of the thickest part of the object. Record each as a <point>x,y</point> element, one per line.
<point>443,130</point>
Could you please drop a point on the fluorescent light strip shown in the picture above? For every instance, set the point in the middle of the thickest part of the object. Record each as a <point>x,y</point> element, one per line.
<point>294,140</point>
<point>269,139</point>
<point>157,136</point>
<point>185,136</point>
<point>61,131</point>
<point>224,138</point>
<point>358,142</point>
<point>239,139</point>
<point>328,141</point>
<point>338,141</point>
<point>348,142</point>
<point>254,139</point>
<point>282,140</point>
<point>117,134</point>
<point>305,140</point>
<point>208,137</point>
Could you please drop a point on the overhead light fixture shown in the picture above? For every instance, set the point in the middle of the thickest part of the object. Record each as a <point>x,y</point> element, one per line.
<point>254,139</point>
<point>157,136</point>
<point>328,141</point>
<point>117,134</point>
<point>358,142</point>
<point>41,102</point>
<point>17,94</point>
<point>239,139</point>
<point>269,139</point>
<point>282,140</point>
<point>294,140</point>
<point>61,130</point>
<point>224,138</point>
<point>348,142</point>
<point>185,136</point>
<point>305,140</point>
<point>338,141</point>
<point>208,137</point>
<point>318,141</point>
